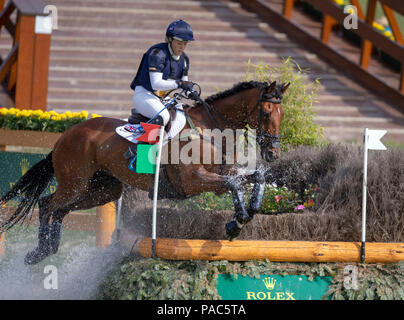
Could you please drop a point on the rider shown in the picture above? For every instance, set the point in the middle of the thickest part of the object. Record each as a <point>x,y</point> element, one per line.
<point>163,67</point>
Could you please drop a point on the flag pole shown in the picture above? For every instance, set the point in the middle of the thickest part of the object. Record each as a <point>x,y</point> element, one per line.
<point>364,185</point>
<point>118,218</point>
<point>155,192</point>
<point>371,141</point>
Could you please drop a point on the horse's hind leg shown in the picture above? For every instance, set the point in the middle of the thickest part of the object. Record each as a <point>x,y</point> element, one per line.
<point>103,189</point>
<point>48,234</point>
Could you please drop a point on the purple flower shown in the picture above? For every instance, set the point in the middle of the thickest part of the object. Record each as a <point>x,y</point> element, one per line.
<point>299,207</point>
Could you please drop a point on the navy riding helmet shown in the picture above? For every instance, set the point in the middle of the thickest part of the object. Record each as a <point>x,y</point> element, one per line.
<point>181,30</point>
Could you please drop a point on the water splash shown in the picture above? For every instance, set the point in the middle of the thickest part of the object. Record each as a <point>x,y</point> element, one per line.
<point>79,275</point>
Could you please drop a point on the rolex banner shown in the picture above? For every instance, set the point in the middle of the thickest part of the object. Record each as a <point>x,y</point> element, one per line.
<point>13,165</point>
<point>272,287</point>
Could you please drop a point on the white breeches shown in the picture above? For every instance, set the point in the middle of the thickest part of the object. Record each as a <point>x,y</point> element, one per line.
<point>147,104</point>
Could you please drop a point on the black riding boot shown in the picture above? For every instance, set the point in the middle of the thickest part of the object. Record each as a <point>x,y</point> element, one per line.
<point>131,152</point>
<point>49,239</point>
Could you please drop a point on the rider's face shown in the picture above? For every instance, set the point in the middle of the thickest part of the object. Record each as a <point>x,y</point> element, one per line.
<point>178,46</point>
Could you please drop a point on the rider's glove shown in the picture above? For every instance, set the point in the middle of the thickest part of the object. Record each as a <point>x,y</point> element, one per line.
<point>193,95</point>
<point>185,85</point>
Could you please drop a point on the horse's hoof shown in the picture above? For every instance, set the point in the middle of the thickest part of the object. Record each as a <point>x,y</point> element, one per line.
<point>35,256</point>
<point>245,218</point>
<point>251,213</point>
<point>232,230</point>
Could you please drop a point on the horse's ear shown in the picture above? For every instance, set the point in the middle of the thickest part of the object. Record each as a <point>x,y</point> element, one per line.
<point>271,87</point>
<point>284,87</point>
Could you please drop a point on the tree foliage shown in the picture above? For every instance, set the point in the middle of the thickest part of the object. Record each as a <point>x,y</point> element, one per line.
<point>298,126</point>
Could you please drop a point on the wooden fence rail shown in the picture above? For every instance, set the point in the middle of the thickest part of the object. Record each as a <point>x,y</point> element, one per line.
<point>24,72</point>
<point>282,251</point>
<point>334,14</point>
<point>370,37</point>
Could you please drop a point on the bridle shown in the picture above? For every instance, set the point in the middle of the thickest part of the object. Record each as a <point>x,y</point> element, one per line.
<point>263,138</point>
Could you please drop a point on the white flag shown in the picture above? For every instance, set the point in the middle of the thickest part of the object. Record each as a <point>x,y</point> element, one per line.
<point>374,137</point>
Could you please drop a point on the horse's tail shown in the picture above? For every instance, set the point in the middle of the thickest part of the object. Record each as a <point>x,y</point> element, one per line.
<point>30,187</point>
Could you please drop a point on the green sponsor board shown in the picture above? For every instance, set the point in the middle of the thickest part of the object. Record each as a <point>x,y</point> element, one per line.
<point>13,165</point>
<point>272,287</point>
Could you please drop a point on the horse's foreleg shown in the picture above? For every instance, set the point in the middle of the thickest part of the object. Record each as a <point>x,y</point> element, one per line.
<point>257,193</point>
<point>212,182</point>
<point>242,216</point>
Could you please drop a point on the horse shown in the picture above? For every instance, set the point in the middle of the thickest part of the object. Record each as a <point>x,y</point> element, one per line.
<point>90,169</point>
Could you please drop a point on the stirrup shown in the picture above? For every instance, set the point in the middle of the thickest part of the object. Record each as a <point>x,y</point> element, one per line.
<point>157,120</point>
<point>130,153</point>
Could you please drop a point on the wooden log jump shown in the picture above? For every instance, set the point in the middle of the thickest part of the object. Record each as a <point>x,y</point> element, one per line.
<point>279,251</point>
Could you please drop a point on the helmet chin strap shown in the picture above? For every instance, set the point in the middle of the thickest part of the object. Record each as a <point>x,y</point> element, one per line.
<point>175,57</point>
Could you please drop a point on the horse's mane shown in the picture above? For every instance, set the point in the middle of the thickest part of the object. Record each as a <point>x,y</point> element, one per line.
<point>236,89</point>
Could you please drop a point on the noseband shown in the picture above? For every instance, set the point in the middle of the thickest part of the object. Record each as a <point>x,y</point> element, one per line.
<point>262,138</point>
<point>265,138</point>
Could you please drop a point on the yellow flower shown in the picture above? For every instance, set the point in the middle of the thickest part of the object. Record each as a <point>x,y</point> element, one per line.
<point>45,116</point>
<point>3,111</point>
<point>94,115</point>
<point>37,112</point>
<point>68,114</point>
<point>25,113</point>
<point>84,114</point>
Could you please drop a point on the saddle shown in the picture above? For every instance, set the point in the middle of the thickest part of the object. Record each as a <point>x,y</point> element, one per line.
<point>137,118</point>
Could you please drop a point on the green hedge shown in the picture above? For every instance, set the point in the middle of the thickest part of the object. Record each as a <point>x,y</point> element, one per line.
<point>298,126</point>
<point>155,279</point>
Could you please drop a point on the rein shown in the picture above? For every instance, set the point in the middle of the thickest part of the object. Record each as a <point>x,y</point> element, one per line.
<point>262,137</point>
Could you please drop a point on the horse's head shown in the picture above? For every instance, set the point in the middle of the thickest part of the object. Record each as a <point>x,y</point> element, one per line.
<point>237,107</point>
<point>270,113</point>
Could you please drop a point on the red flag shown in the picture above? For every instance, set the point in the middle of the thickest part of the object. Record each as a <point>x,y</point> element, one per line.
<point>151,134</point>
